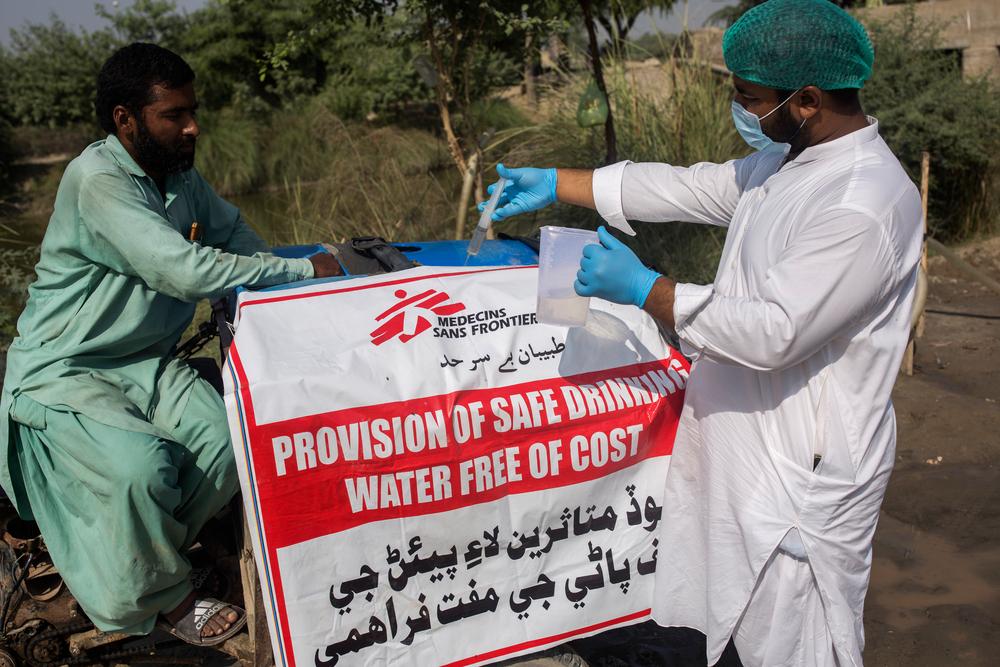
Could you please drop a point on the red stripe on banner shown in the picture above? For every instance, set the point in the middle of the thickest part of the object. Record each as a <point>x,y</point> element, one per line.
<point>535,643</point>
<point>401,281</point>
<point>272,581</point>
<point>307,497</point>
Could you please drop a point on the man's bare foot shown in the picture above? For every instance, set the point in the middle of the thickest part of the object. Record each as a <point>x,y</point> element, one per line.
<point>215,625</point>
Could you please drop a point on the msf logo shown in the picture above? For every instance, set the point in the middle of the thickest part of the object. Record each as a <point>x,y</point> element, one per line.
<point>408,317</point>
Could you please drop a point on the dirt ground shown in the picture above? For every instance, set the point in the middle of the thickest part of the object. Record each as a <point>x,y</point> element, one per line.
<point>934,597</point>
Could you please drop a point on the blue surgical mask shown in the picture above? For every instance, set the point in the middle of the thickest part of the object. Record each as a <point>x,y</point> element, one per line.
<point>748,125</point>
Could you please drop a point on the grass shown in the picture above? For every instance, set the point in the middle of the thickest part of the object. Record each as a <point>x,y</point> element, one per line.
<point>15,276</point>
<point>229,151</point>
<point>41,141</point>
<point>308,176</point>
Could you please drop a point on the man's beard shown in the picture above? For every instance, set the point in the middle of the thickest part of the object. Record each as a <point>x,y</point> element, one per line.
<point>786,130</point>
<point>165,159</point>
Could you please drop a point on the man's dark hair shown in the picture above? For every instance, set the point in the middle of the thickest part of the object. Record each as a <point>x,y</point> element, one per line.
<point>846,98</point>
<point>128,77</point>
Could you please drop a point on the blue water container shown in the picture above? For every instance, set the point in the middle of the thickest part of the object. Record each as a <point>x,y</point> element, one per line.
<point>502,252</point>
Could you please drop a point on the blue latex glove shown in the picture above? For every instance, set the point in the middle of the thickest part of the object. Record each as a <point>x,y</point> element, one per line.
<point>611,271</point>
<point>528,189</point>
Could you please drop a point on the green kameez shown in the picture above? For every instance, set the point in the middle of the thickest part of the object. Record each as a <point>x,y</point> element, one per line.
<point>118,451</point>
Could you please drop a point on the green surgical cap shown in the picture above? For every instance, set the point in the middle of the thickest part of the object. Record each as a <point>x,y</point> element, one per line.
<point>790,44</point>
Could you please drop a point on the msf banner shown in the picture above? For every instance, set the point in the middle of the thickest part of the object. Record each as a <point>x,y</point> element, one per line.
<point>432,477</point>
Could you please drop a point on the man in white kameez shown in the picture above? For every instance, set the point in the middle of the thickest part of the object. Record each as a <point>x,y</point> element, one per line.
<point>787,437</point>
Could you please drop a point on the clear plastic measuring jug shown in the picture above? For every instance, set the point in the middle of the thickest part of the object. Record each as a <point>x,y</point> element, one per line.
<point>558,262</point>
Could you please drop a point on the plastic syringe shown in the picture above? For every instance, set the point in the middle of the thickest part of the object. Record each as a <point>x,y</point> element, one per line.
<point>484,220</point>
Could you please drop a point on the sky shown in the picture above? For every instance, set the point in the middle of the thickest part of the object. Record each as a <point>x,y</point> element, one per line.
<point>80,14</point>
<point>74,13</point>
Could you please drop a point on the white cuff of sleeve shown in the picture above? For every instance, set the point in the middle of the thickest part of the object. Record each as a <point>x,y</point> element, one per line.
<point>607,188</point>
<point>688,300</point>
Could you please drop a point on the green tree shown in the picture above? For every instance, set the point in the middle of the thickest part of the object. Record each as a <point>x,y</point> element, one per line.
<point>469,48</point>
<point>371,70</point>
<point>466,43</point>
<point>232,45</point>
<point>6,144</point>
<point>49,70</point>
<point>49,73</point>
<point>155,21</point>
<point>610,137</point>
<point>618,17</point>
<point>6,154</point>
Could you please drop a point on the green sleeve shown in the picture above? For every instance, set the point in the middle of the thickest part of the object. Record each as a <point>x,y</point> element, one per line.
<point>120,231</point>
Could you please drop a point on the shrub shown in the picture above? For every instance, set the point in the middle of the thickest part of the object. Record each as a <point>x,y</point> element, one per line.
<point>50,70</point>
<point>389,182</point>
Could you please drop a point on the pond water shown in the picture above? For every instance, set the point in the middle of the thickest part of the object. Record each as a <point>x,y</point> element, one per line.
<point>267,212</point>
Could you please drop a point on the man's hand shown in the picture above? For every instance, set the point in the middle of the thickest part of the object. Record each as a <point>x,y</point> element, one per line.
<point>528,189</point>
<point>325,265</point>
<point>612,271</point>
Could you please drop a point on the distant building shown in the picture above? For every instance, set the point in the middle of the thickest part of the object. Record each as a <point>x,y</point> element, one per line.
<point>971,29</point>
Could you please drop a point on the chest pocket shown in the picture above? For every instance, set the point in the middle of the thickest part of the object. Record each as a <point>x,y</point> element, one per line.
<point>177,208</point>
<point>180,213</point>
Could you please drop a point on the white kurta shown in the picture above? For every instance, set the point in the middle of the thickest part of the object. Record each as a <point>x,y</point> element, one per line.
<point>796,346</point>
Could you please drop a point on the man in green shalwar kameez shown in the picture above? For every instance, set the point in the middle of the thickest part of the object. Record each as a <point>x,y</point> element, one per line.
<point>119,451</point>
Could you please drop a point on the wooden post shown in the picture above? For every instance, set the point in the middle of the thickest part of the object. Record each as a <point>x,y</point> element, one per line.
<point>908,353</point>
<point>252,649</point>
<point>917,329</point>
<point>261,653</point>
<point>925,172</point>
